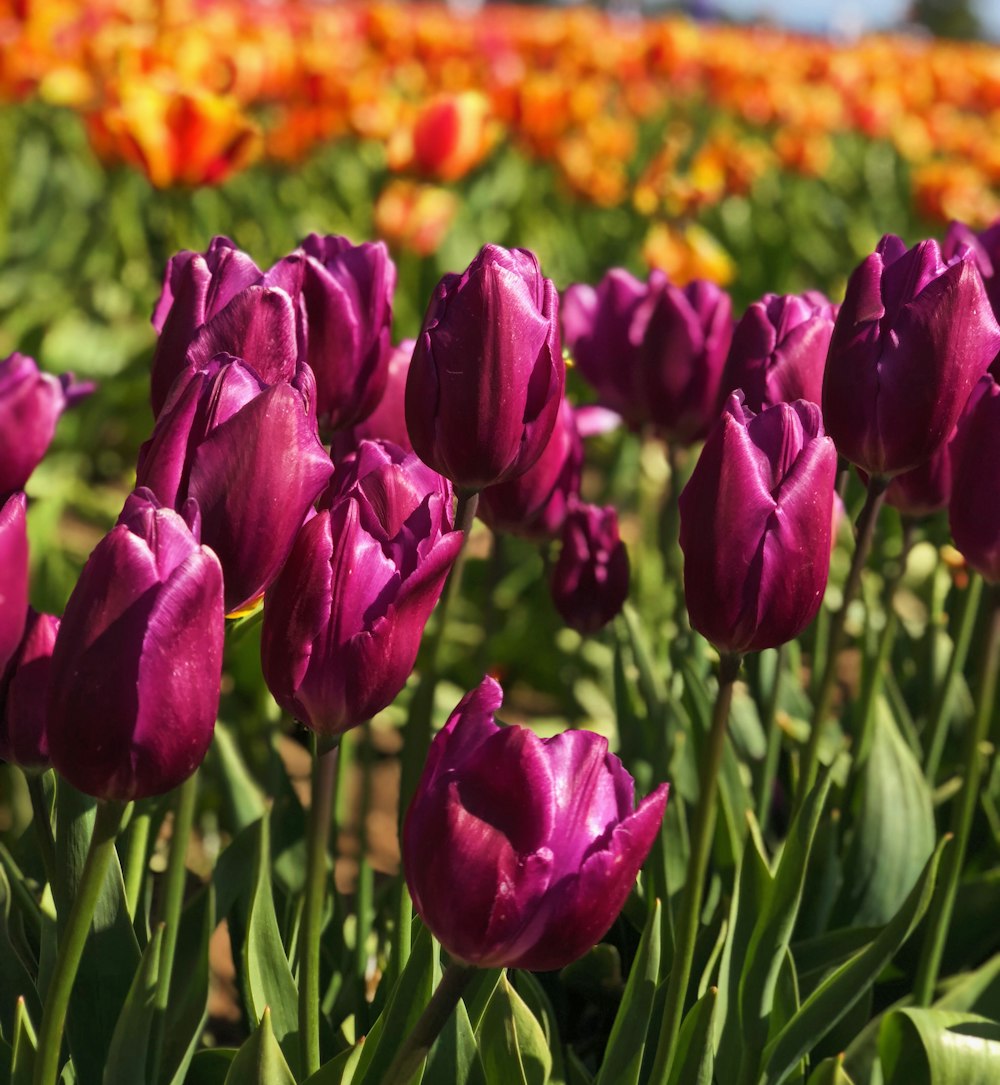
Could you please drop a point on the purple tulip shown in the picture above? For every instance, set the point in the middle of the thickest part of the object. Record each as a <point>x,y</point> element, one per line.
<point>923,490</point>
<point>197,286</point>
<point>30,405</point>
<point>346,297</point>
<point>344,618</point>
<point>135,673</point>
<point>487,374</point>
<point>519,852</point>
<point>974,510</point>
<point>535,504</point>
<point>590,580</point>
<point>779,349</point>
<point>24,691</point>
<point>756,517</point>
<point>388,421</point>
<point>597,328</point>
<point>248,453</point>
<point>13,574</point>
<point>985,249</point>
<point>912,338</point>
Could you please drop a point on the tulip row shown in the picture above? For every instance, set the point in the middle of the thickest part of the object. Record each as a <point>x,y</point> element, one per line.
<point>300,462</point>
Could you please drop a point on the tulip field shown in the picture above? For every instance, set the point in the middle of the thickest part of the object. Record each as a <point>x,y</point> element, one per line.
<point>499,549</point>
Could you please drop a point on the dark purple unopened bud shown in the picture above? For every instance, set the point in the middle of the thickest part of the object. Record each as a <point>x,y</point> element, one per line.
<point>597,328</point>
<point>248,453</point>
<point>535,504</point>
<point>911,339</point>
<point>756,517</point>
<point>590,580</point>
<point>779,350</point>
<point>974,510</point>
<point>388,421</point>
<point>196,287</point>
<point>30,405</point>
<point>487,374</point>
<point>344,618</point>
<point>520,852</point>
<point>346,292</point>
<point>135,673</point>
<point>24,692</point>
<point>13,574</point>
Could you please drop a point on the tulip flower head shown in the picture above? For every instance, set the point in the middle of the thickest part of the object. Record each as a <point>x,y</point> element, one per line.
<point>137,662</point>
<point>30,405</point>
<point>591,578</point>
<point>344,618</point>
<point>24,690</point>
<point>756,519</point>
<point>519,852</point>
<point>13,574</point>
<point>974,509</point>
<point>487,374</point>
<point>912,337</point>
<point>388,421</point>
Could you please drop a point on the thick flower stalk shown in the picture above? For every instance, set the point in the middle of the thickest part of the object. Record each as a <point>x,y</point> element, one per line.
<point>137,662</point>
<point>756,519</point>
<point>519,852</point>
<point>487,374</point>
<point>31,403</point>
<point>248,453</point>
<point>343,620</point>
<point>912,337</point>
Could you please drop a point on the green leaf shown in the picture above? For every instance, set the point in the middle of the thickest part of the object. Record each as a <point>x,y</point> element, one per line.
<point>694,1062</point>
<point>454,1059</point>
<point>479,991</point>
<point>894,833</point>
<point>187,1009</point>
<point>765,955</point>
<point>130,1042</point>
<point>244,797</point>
<point>535,998</point>
<point>25,1047</point>
<point>406,1002</point>
<point>111,954</point>
<point>210,1067</point>
<point>267,976</point>
<point>626,1044</point>
<point>260,1061</point>
<point>15,980</point>
<point>936,1047</point>
<point>830,1072</point>
<point>512,1042</point>
<point>838,993</point>
<point>975,992</point>
<point>341,1069</point>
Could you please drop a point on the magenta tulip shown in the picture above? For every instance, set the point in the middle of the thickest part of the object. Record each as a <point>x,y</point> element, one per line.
<point>13,574</point>
<point>974,510</point>
<point>24,692</point>
<point>590,580</point>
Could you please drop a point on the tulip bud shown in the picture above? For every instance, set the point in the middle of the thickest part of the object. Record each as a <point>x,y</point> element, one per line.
<point>519,852</point>
<point>451,135</point>
<point>923,490</point>
<point>779,350</point>
<point>911,339</point>
<point>756,517</point>
<point>344,618</point>
<point>24,691</point>
<point>248,453</point>
<point>345,293</point>
<point>30,405</point>
<point>535,504</point>
<point>136,667</point>
<point>487,373</point>
<point>13,574</point>
<point>974,510</point>
<point>590,580</point>
<point>195,288</point>
<point>388,421</point>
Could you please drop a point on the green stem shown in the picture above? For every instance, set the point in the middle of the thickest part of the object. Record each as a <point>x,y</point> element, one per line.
<point>402,931</point>
<point>937,728</point>
<point>963,812</point>
<point>824,697</point>
<point>363,900</point>
<point>173,901</point>
<point>773,732</point>
<point>41,810</point>
<point>702,833</point>
<point>73,940</point>
<point>135,861</point>
<point>419,724</point>
<point>430,1023</point>
<point>324,773</point>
